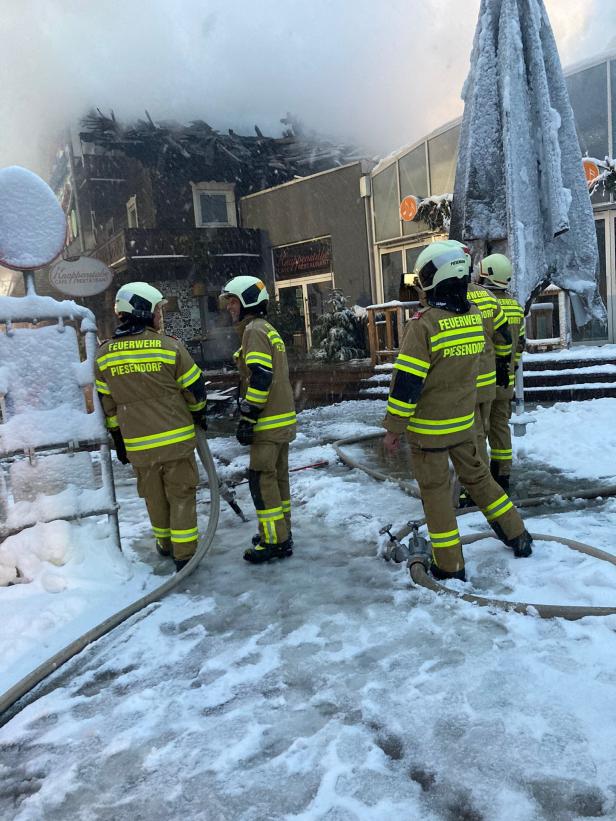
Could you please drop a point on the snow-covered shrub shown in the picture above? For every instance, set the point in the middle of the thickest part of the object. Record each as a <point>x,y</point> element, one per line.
<point>339,334</point>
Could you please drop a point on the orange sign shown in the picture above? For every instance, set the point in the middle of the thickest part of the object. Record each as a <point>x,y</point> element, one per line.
<point>591,170</point>
<point>408,208</point>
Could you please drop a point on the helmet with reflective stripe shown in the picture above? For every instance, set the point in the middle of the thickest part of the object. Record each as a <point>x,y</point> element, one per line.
<point>139,299</point>
<point>250,291</point>
<point>438,262</point>
<point>497,269</point>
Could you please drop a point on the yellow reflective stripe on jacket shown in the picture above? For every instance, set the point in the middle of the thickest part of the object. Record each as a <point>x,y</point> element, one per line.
<point>281,420</point>
<point>286,505</point>
<point>456,336</point>
<point>159,440</point>
<point>500,319</point>
<point>450,538</point>
<point>197,406</point>
<point>497,508</point>
<point>135,357</point>
<point>181,536</point>
<point>256,396</point>
<point>191,375</point>
<point>102,387</point>
<point>502,350</point>
<point>111,422</point>
<point>439,427</point>
<point>410,364</point>
<point>275,338</point>
<point>486,379</point>
<point>400,408</point>
<point>259,358</point>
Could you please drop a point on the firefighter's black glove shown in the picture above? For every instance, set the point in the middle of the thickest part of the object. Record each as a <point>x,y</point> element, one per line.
<point>245,431</point>
<point>502,372</point>
<point>120,447</point>
<point>246,426</point>
<point>200,418</point>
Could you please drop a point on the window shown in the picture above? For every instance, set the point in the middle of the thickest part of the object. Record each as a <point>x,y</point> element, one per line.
<point>414,180</point>
<point>131,213</point>
<point>386,203</point>
<point>214,204</point>
<point>443,151</point>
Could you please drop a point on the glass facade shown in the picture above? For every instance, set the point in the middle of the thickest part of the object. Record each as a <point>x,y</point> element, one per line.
<point>386,203</point>
<point>443,153</point>
<point>588,95</point>
<point>391,266</point>
<point>414,180</point>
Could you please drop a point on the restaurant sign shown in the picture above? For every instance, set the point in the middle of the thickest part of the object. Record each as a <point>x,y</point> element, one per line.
<point>303,259</point>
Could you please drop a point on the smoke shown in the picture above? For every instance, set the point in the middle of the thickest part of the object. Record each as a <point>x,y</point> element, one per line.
<point>380,74</point>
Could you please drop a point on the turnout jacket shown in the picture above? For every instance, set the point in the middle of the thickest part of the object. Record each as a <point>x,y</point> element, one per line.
<point>264,380</point>
<point>514,314</point>
<point>434,382</point>
<point>496,336</point>
<point>144,381</point>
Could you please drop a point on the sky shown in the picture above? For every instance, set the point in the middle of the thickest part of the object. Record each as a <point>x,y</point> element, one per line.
<point>381,73</point>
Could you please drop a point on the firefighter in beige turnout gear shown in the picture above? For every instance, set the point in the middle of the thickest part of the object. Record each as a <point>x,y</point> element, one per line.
<point>496,272</point>
<point>435,377</point>
<point>267,422</point>
<point>493,362</point>
<point>152,394</point>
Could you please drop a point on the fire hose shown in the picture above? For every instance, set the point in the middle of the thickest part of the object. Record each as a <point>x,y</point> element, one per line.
<point>21,688</point>
<point>417,554</point>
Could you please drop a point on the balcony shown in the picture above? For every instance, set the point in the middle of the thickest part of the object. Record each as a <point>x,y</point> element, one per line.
<point>213,249</point>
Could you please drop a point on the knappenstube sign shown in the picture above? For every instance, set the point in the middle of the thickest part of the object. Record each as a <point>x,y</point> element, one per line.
<point>80,276</point>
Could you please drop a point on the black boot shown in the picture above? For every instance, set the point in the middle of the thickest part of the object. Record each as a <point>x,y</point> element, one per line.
<point>260,553</point>
<point>441,575</point>
<point>180,564</point>
<point>163,549</point>
<point>256,539</point>
<point>522,545</point>
<point>465,500</point>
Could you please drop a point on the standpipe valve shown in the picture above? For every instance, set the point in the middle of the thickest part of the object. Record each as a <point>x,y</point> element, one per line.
<point>395,550</point>
<point>419,551</point>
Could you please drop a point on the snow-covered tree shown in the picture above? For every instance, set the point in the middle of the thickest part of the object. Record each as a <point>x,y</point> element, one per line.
<point>338,335</point>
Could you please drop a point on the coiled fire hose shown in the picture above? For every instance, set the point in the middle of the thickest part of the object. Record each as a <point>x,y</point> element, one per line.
<point>419,560</point>
<point>19,690</point>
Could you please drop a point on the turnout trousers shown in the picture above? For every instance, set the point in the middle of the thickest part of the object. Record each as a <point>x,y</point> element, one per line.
<point>431,469</point>
<point>499,434</point>
<point>170,493</point>
<point>482,427</point>
<point>268,478</point>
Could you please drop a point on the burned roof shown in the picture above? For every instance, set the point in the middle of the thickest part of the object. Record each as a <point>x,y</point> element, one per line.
<point>253,162</point>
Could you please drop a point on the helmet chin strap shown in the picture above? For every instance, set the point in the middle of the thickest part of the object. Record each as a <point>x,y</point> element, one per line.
<point>450,295</point>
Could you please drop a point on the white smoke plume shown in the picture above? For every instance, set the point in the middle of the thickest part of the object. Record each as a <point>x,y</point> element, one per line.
<point>379,73</point>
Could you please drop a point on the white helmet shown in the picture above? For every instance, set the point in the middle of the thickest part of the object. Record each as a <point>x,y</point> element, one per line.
<point>497,269</point>
<point>250,291</point>
<point>138,299</point>
<point>455,243</point>
<point>440,261</point>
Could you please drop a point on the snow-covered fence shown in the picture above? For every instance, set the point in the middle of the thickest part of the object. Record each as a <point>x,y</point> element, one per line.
<point>47,430</point>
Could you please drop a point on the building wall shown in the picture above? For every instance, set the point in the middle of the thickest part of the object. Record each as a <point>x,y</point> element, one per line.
<point>327,204</point>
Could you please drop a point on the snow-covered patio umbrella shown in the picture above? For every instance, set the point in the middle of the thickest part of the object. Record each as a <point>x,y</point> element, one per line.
<point>520,183</point>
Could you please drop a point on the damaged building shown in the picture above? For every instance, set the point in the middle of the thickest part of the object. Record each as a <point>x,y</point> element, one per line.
<point>160,202</point>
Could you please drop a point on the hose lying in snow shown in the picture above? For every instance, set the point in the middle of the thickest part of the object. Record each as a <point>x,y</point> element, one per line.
<point>19,690</point>
<point>418,566</point>
<point>419,574</point>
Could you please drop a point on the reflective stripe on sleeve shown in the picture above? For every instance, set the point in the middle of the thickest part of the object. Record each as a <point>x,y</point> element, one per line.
<point>484,380</point>
<point>191,375</point>
<point>256,397</point>
<point>410,364</point>
<point>102,387</point>
<point>501,454</point>
<point>258,358</point>
<point>399,408</point>
<point>197,406</point>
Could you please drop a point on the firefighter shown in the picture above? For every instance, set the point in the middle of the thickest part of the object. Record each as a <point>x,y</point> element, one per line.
<point>432,397</point>
<point>496,273</point>
<point>493,363</point>
<point>267,416</point>
<point>153,394</point>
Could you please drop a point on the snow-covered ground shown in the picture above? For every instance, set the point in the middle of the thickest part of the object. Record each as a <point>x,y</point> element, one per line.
<point>326,686</point>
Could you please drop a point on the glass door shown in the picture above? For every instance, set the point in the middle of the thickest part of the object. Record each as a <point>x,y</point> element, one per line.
<point>292,304</point>
<point>303,301</point>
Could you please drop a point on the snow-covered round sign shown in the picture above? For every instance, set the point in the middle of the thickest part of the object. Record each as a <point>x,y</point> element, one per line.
<point>32,222</point>
<point>408,208</point>
<point>80,276</point>
<point>591,169</point>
